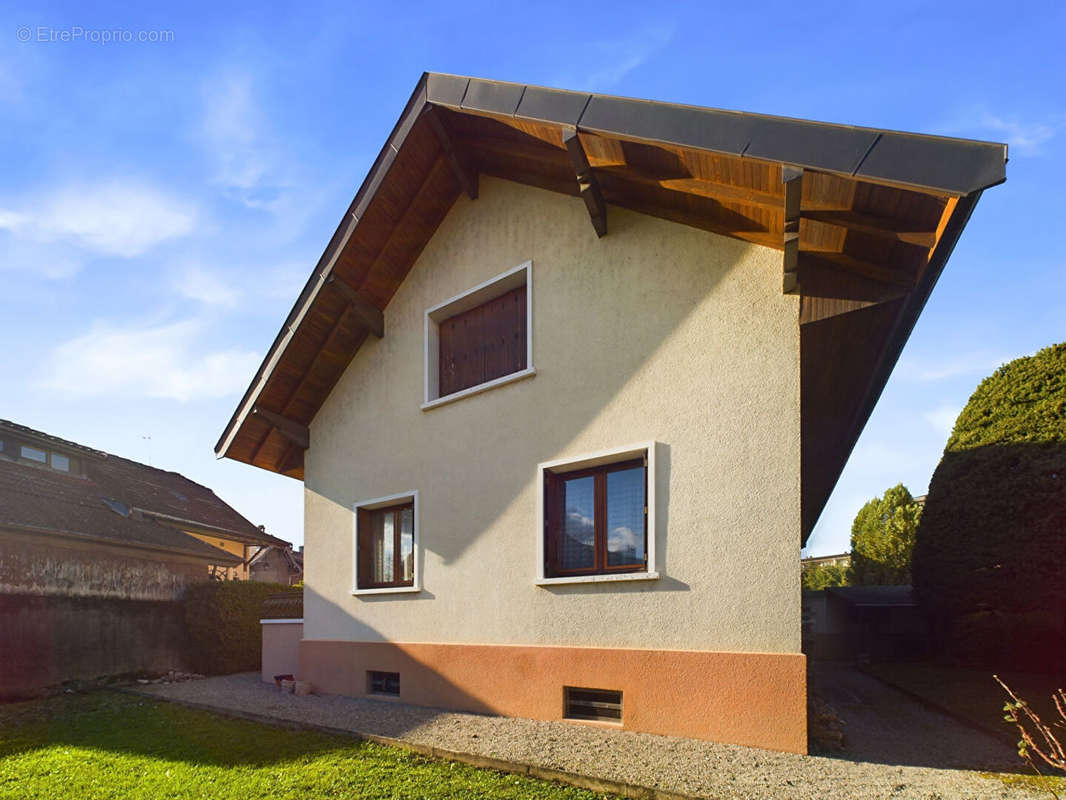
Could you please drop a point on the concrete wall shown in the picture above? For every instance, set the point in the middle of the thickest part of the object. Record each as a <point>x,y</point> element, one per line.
<point>48,640</point>
<point>76,610</point>
<point>281,647</point>
<point>655,332</point>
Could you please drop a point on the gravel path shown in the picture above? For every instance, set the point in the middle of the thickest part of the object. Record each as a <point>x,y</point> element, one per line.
<point>705,769</point>
<point>884,725</point>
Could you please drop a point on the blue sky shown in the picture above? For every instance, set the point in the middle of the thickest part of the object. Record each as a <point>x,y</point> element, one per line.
<point>162,202</point>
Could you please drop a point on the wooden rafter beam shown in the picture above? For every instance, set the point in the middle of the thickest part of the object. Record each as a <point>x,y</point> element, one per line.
<point>293,459</point>
<point>848,264</point>
<point>587,185</point>
<point>792,178</point>
<point>366,313</point>
<point>876,226</point>
<point>464,174</point>
<point>295,432</point>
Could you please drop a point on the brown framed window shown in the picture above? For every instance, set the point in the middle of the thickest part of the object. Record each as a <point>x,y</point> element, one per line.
<point>386,542</point>
<point>596,519</point>
<point>484,343</point>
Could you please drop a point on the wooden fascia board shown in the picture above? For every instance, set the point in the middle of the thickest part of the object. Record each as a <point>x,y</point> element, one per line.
<point>324,268</point>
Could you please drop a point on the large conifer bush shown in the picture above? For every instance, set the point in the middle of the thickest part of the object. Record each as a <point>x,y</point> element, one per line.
<point>990,553</point>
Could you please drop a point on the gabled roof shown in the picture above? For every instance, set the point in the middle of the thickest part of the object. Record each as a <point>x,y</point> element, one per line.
<point>294,559</point>
<point>158,502</point>
<point>865,220</point>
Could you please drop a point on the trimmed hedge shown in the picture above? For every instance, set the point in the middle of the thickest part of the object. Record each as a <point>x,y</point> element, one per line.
<point>222,620</point>
<point>990,551</point>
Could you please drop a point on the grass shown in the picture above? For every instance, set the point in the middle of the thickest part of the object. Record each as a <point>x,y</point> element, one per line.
<point>111,745</point>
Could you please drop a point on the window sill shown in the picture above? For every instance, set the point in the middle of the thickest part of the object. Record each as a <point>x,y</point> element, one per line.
<point>528,372</point>
<point>388,590</point>
<point>622,576</point>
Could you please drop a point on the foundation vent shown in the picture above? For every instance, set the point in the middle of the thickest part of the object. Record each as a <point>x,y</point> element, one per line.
<point>386,683</point>
<point>603,705</point>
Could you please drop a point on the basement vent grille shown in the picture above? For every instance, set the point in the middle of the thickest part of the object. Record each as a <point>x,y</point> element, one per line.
<point>603,705</point>
<point>386,683</point>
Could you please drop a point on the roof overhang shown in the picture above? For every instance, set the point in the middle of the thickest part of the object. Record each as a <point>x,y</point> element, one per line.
<point>865,220</point>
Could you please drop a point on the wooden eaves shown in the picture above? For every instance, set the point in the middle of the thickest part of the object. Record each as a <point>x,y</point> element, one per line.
<point>865,220</point>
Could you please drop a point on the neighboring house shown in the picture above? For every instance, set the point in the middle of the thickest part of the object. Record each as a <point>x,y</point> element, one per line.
<point>838,560</point>
<point>569,388</point>
<point>95,482</point>
<point>95,550</point>
<point>277,565</point>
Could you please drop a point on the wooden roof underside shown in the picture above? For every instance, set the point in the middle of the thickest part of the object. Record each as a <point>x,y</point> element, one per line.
<point>861,253</point>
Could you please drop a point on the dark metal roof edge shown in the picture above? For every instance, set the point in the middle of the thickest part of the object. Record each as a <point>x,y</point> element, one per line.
<point>765,118</point>
<point>345,229</point>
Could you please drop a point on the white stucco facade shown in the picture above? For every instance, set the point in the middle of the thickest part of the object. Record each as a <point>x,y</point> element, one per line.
<point>656,332</point>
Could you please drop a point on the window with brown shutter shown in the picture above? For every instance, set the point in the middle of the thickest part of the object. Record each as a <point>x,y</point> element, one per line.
<point>481,339</point>
<point>483,343</point>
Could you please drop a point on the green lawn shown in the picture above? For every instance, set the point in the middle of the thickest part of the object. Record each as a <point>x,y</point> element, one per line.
<point>112,745</point>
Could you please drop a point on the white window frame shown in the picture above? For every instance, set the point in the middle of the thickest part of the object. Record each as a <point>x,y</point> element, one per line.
<point>595,460</point>
<point>385,502</point>
<point>472,298</point>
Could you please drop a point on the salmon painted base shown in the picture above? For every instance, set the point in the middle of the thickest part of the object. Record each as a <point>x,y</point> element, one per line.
<point>754,699</point>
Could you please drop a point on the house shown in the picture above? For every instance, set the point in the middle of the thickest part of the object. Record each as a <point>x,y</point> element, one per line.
<point>569,387</point>
<point>836,560</point>
<point>95,551</point>
<point>277,565</point>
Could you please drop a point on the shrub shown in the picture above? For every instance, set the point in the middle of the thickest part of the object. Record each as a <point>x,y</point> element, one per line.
<point>822,576</point>
<point>882,539</point>
<point>222,620</point>
<point>991,537</point>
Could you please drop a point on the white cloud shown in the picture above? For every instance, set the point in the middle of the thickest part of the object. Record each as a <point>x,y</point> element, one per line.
<point>623,539</point>
<point>1025,137</point>
<point>611,60</point>
<point>198,284</point>
<point>232,127</point>
<point>943,418</point>
<point>154,360</point>
<point>980,362</point>
<point>250,160</point>
<point>52,234</point>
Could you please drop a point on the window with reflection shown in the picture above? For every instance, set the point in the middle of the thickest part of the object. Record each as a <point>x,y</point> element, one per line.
<point>596,519</point>
<point>386,542</point>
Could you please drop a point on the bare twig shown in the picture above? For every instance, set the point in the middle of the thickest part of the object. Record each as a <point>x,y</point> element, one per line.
<point>1017,711</point>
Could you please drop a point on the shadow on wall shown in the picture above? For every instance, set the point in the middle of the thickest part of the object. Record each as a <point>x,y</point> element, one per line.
<point>334,668</point>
